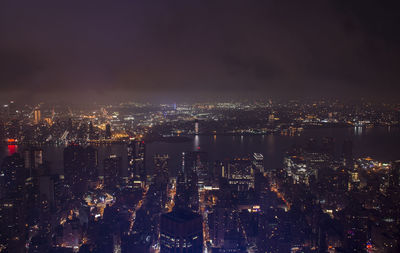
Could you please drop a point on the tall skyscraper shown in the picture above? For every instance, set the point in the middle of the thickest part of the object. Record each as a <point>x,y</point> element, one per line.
<point>131,148</point>
<point>196,162</point>
<point>80,164</point>
<point>33,160</point>
<point>12,110</point>
<point>190,178</point>
<point>258,162</point>
<point>137,160</point>
<point>12,176</point>
<point>219,169</point>
<point>91,163</point>
<point>37,115</point>
<point>74,164</point>
<point>108,131</point>
<point>161,163</point>
<point>91,131</point>
<point>348,152</point>
<point>2,130</point>
<point>196,126</point>
<point>12,225</point>
<point>112,171</point>
<point>241,174</point>
<point>161,167</point>
<point>181,231</point>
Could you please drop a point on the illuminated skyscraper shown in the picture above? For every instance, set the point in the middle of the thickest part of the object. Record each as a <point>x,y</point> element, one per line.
<point>258,162</point>
<point>161,163</point>
<point>196,162</point>
<point>131,158</point>
<point>37,115</point>
<point>196,127</point>
<point>241,174</point>
<point>137,160</point>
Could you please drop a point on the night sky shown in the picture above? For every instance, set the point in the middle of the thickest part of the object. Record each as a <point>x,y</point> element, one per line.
<point>184,50</point>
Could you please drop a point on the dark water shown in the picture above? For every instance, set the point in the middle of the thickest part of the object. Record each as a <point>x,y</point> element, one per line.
<point>379,143</point>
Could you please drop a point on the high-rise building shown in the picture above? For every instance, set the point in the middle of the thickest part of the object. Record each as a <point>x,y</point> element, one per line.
<point>131,158</point>
<point>80,164</point>
<point>196,127</point>
<point>348,153</point>
<point>181,231</point>
<point>196,162</point>
<point>37,115</point>
<point>108,131</point>
<point>241,174</point>
<point>219,169</point>
<point>2,130</point>
<point>141,155</point>
<point>74,164</point>
<point>112,171</point>
<point>137,160</point>
<point>91,131</point>
<point>394,176</point>
<point>12,110</point>
<point>258,162</point>
<point>12,179</point>
<point>60,191</point>
<point>91,162</point>
<point>33,160</point>
<point>161,163</point>
<point>12,176</point>
<point>11,229</point>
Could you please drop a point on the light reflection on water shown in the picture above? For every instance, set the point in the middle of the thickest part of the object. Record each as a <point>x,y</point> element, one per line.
<point>379,143</point>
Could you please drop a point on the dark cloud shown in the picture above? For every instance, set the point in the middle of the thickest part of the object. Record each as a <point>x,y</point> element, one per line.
<point>187,49</point>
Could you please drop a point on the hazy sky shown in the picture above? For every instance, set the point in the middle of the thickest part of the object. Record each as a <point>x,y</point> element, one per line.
<point>171,50</point>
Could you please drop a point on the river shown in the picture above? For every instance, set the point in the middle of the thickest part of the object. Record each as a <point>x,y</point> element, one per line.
<point>381,143</point>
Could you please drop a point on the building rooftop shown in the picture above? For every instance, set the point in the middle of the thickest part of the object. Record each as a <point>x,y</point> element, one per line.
<point>181,215</point>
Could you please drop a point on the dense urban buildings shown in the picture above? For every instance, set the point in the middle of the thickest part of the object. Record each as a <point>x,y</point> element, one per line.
<point>160,184</point>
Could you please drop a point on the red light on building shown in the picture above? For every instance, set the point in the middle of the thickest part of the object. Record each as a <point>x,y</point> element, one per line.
<point>12,149</point>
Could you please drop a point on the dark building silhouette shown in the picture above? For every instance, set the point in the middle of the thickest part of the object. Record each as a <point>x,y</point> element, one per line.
<point>33,158</point>
<point>91,163</point>
<point>161,167</point>
<point>74,162</point>
<point>112,171</point>
<point>80,166</point>
<point>181,231</point>
<point>91,131</point>
<point>12,179</point>
<point>13,175</point>
<point>195,162</point>
<point>347,152</point>
<point>108,131</point>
